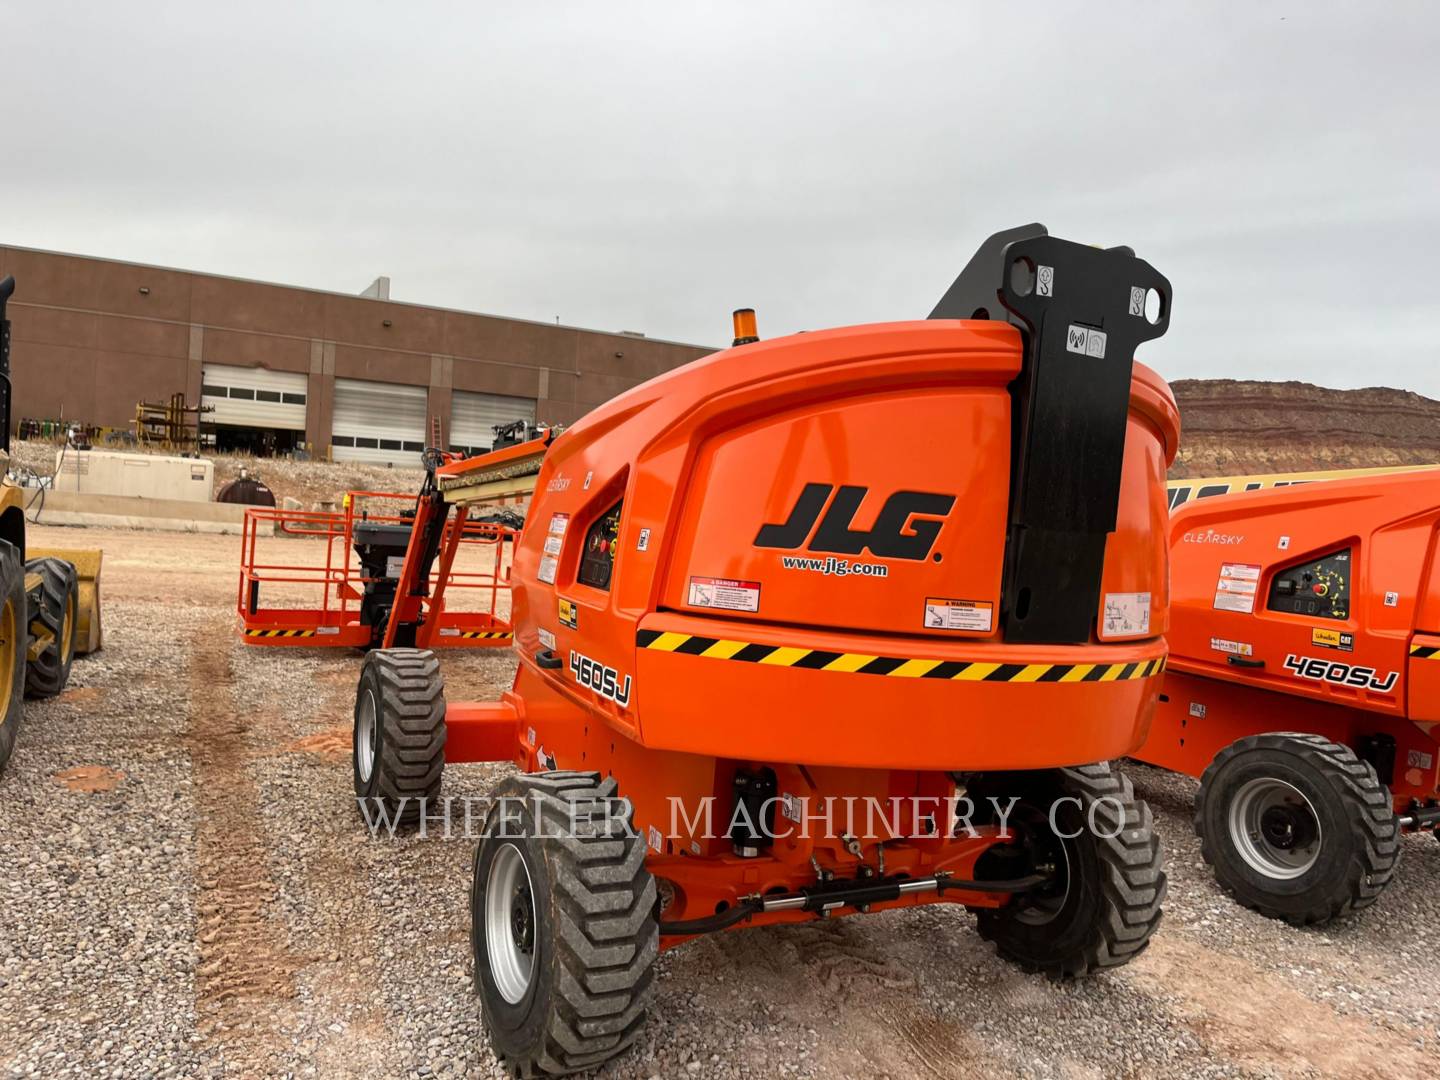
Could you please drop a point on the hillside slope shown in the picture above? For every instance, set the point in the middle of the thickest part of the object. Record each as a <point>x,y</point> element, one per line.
<point>1234,426</point>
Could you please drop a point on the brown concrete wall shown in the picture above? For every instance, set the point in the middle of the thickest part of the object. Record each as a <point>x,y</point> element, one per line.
<point>88,344</point>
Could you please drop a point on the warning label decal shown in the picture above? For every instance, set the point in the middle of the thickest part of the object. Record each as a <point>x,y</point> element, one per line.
<point>1235,591</point>
<point>943,614</point>
<point>558,524</point>
<point>1234,648</point>
<point>1127,614</point>
<point>726,593</point>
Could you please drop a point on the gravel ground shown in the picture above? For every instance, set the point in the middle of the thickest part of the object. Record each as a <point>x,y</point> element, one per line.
<point>221,911</point>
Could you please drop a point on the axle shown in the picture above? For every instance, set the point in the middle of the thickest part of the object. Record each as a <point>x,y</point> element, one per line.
<point>858,893</point>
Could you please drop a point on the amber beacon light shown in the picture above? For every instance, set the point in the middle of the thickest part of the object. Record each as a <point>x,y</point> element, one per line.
<point>745,329</point>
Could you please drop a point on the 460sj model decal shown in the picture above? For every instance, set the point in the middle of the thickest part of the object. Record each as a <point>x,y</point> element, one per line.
<point>1331,671</point>
<point>605,681</point>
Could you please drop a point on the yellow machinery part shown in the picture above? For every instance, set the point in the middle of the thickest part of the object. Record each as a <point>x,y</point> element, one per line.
<point>88,636</point>
<point>40,637</point>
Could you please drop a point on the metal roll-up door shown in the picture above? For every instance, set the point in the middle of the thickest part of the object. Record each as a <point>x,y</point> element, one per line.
<point>254,397</point>
<point>473,418</point>
<point>382,423</point>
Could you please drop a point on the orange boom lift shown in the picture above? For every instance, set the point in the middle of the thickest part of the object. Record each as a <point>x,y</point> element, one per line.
<point>1304,685</point>
<point>834,623</point>
<point>353,581</point>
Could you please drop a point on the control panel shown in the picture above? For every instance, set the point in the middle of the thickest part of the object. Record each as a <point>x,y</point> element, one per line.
<point>597,561</point>
<point>1319,587</point>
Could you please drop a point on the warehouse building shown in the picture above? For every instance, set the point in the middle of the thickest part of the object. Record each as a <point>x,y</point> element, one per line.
<point>353,377</point>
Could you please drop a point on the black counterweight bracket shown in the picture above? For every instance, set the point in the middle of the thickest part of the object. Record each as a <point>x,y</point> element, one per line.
<point>1083,312</point>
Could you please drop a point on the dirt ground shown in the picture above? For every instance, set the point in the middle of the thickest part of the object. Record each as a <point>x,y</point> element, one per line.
<point>186,890</point>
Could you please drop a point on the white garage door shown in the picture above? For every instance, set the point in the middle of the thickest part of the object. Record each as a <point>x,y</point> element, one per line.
<point>254,397</point>
<point>473,418</point>
<point>382,423</point>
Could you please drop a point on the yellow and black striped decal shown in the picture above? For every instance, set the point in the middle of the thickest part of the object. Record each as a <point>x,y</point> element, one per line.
<point>484,635</point>
<point>897,666</point>
<point>1425,652</point>
<point>278,633</point>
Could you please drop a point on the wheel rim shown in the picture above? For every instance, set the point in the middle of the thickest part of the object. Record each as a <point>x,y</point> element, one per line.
<point>67,638</point>
<point>1275,828</point>
<point>510,923</point>
<point>1045,905</point>
<point>1047,853</point>
<point>8,645</point>
<point>366,731</point>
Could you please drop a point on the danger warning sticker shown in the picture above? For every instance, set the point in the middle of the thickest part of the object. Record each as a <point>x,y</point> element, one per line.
<point>943,614</point>
<point>1235,591</point>
<point>558,524</point>
<point>727,593</point>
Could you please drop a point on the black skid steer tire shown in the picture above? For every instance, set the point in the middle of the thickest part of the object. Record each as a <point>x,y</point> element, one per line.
<point>1297,827</point>
<point>1109,884</point>
<point>57,615</point>
<point>13,641</point>
<point>565,983</point>
<point>398,749</point>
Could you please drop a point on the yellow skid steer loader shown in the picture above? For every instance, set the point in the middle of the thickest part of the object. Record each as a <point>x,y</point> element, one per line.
<point>49,601</point>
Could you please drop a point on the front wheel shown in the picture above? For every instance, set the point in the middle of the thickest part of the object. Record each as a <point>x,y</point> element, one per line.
<point>14,640</point>
<point>397,753</point>
<point>564,926</point>
<point>1085,828</point>
<point>1297,827</point>
<point>53,620</point>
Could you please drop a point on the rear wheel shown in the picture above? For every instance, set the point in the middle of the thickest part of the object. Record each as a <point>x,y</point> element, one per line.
<point>54,619</point>
<point>564,924</point>
<point>1085,827</point>
<point>13,642</point>
<point>1297,827</point>
<point>398,747</point>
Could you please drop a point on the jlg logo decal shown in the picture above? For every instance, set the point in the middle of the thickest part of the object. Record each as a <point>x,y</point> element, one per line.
<point>605,681</point>
<point>1330,671</point>
<point>905,528</point>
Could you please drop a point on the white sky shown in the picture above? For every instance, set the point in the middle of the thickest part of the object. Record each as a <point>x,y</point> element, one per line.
<point>649,166</point>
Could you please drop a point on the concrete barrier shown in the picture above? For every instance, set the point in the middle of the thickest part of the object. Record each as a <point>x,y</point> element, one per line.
<point>133,512</point>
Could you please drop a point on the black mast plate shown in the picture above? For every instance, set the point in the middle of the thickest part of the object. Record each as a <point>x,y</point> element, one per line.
<point>1083,314</point>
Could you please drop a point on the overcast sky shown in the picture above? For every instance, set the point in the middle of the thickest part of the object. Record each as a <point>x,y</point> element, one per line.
<point>650,166</point>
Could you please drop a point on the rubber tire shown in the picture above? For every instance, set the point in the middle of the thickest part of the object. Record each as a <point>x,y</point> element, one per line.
<point>1108,920</point>
<point>47,675</point>
<point>597,930</point>
<point>1360,836</point>
<point>12,591</point>
<point>409,760</point>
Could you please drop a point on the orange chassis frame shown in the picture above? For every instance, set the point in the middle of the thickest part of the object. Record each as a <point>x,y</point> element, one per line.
<point>718,879</point>
<point>341,581</point>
